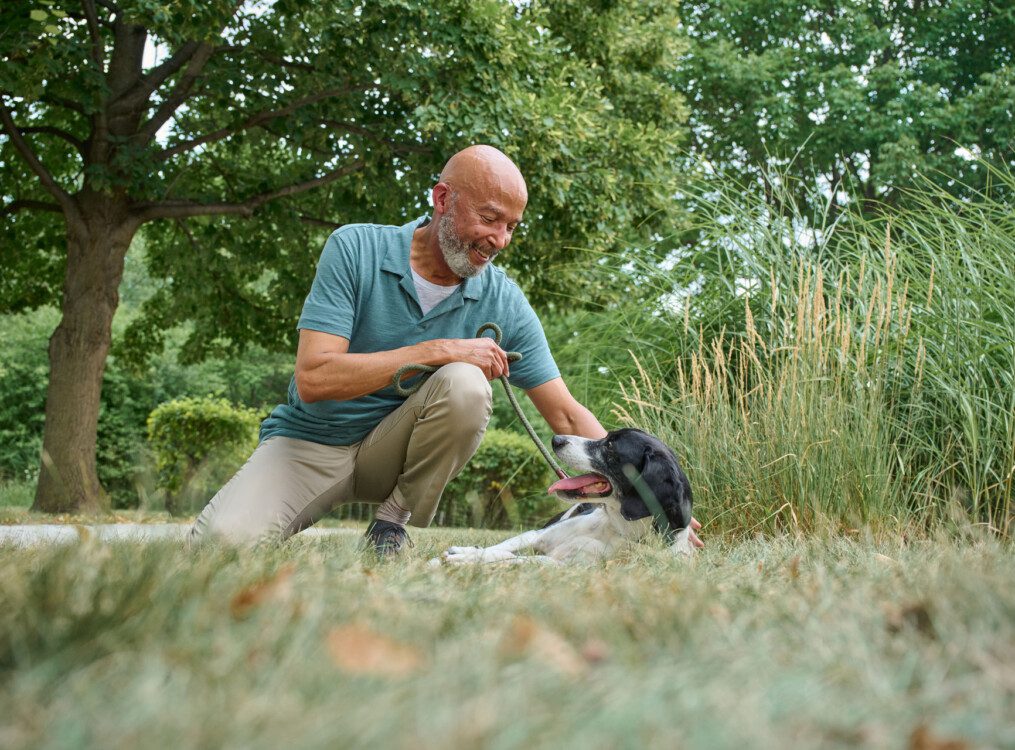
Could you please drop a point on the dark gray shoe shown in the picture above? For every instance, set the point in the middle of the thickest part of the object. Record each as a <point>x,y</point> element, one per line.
<point>388,539</point>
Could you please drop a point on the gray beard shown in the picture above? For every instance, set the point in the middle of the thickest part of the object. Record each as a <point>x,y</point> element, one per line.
<point>455,251</point>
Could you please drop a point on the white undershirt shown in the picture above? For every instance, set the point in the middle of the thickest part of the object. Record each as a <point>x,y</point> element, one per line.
<point>430,294</point>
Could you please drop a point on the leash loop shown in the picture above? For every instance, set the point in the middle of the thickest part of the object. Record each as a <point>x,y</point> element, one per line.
<point>424,371</point>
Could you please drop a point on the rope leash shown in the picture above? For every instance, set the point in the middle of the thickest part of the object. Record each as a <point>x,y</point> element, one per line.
<point>426,370</point>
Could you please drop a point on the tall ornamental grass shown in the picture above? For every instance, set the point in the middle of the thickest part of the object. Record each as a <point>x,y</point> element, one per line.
<point>828,370</point>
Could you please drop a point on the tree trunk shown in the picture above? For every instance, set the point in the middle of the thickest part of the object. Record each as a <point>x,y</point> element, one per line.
<point>96,247</point>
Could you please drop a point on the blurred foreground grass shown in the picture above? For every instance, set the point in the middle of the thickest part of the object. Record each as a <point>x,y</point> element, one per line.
<point>773,642</point>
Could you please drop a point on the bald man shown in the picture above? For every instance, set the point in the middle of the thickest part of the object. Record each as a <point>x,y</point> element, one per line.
<point>383,297</point>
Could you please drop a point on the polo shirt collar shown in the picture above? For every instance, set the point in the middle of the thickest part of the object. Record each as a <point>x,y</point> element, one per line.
<point>396,261</point>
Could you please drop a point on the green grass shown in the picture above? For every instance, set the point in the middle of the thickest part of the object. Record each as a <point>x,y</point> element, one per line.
<point>16,495</point>
<point>775,642</point>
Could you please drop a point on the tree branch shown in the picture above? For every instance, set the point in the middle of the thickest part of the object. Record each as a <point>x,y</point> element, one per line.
<point>396,146</point>
<point>186,209</point>
<point>59,101</point>
<point>25,150</point>
<point>318,222</point>
<point>58,132</point>
<point>29,205</point>
<point>95,34</point>
<point>189,235</point>
<point>139,92</point>
<point>253,121</point>
<point>179,94</point>
<point>196,60</point>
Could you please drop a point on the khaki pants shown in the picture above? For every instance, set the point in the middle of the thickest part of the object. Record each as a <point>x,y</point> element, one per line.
<point>287,484</point>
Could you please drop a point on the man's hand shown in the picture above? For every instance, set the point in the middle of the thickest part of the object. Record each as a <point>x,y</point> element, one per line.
<point>695,525</point>
<point>483,352</point>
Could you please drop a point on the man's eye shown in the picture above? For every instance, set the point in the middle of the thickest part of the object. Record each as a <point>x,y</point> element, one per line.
<point>487,219</point>
<point>511,228</point>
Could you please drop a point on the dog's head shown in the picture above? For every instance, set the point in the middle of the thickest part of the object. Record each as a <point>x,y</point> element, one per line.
<point>629,467</point>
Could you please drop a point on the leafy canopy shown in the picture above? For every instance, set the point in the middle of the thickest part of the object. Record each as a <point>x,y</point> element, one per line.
<point>870,94</point>
<point>257,129</point>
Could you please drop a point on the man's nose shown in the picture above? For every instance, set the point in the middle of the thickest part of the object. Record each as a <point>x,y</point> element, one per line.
<point>500,239</point>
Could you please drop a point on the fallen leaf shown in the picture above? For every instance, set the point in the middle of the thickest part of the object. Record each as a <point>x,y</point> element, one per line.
<point>526,637</point>
<point>357,649</point>
<point>922,739</point>
<point>915,615</point>
<point>794,568</point>
<point>720,613</point>
<point>276,588</point>
<point>595,651</point>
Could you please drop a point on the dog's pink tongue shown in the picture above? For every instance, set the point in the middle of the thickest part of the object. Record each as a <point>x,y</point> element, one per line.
<point>574,483</point>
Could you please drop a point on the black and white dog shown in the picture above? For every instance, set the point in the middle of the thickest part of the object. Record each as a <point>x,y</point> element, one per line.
<point>631,483</point>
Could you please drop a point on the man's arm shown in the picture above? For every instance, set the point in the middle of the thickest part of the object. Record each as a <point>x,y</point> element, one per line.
<point>567,417</point>
<point>563,412</point>
<point>326,370</point>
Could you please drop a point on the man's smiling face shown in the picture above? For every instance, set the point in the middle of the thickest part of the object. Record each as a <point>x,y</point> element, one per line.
<point>470,235</point>
<point>479,201</point>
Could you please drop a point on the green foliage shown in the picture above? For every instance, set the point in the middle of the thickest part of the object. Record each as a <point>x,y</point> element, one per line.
<point>129,394</point>
<point>126,401</point>
<point>24,369</point>
<point>197,444</point>
<point>503,485</point>
<point>870,94</point>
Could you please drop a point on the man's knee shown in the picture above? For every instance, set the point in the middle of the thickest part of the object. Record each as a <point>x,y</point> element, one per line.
<point>466,390</point>
<point>237,521</point>
<point>466,394</point>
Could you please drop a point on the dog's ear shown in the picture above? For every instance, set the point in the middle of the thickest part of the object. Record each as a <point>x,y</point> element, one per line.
<point>642,498</point>
<point>632,506</point>
<point>665,487</point>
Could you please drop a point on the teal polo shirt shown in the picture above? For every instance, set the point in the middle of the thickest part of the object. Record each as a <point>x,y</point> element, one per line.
<point>363,291</point>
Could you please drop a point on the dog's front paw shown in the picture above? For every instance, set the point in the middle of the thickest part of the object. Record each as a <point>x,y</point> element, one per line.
<point>682,546</point>
<point>462,550</point>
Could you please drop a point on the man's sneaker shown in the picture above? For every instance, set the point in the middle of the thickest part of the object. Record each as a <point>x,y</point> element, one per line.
<point>387,538</point>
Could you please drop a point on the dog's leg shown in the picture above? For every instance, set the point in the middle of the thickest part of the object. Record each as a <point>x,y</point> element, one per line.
<point>497,553</point>
<point>470,555</point>
<point>515,543</point>
<point>529,559</point>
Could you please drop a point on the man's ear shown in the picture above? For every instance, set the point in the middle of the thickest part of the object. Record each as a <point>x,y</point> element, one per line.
<point>441,195</point>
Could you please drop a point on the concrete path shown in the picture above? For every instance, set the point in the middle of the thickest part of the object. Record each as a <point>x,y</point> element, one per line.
<point>28,535</point>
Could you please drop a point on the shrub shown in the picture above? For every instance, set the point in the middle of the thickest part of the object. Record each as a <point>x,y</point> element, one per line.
<point>24,369</point>
<point>197,444</point>
<point>503,485</point>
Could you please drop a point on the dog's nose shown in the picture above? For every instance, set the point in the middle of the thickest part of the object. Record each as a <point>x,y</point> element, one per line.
<point>558,442</point>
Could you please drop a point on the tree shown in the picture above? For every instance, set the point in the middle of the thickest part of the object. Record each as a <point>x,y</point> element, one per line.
<point>238,134</point>
<point>869,94</point>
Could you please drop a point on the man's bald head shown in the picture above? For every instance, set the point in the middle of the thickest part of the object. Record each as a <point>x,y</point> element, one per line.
<point>486,173</point>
